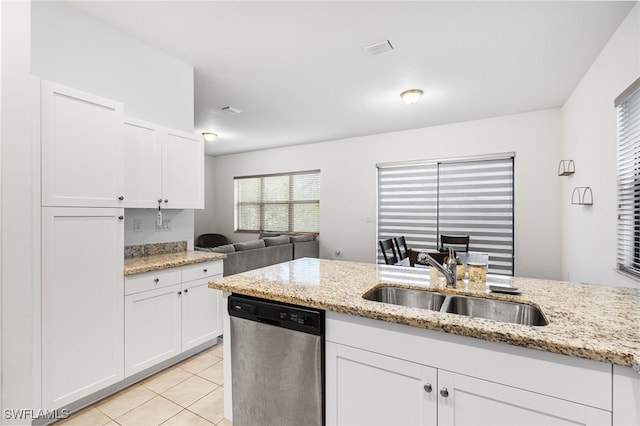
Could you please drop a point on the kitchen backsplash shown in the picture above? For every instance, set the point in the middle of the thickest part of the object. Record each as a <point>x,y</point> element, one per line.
<point>139,250</point>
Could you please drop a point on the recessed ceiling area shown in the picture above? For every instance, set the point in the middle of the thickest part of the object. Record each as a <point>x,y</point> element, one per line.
<point>300,72</point>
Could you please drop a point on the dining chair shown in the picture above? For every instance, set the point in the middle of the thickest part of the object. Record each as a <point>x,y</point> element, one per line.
<point>385,246</point>
<point>401,244</point>
<point>457,242</point>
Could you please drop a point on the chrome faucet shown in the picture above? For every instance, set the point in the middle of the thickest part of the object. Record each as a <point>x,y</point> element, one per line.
<point>449,271</point>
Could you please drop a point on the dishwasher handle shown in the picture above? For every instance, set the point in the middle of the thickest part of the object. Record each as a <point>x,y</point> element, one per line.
<point>269,321</point>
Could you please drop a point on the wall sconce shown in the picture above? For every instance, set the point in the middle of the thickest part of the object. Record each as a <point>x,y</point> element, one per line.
<point>582,196</point>
<point>566,168</point>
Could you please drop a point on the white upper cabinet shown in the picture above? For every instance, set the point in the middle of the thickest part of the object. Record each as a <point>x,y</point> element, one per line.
<point>142,163</point>
<point>81,148</point>
<point>162,165</point>
<point>182,170</point>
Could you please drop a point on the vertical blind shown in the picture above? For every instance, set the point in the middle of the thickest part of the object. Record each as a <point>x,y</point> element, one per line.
<point>287,202</point>
<point>472,197</point>
<point>628,108</point>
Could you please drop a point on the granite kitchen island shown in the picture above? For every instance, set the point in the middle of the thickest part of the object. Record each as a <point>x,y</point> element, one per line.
<point>587,356</point>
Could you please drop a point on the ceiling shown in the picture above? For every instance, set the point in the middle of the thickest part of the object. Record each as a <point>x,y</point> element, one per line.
<point>299,72</point>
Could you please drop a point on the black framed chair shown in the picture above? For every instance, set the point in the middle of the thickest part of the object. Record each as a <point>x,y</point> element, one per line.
<point>460,243</point>
<point>401,244</point>
<point>386,246</point>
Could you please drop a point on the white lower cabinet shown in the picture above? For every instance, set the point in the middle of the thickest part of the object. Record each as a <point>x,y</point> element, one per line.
<point>378,373</point>
<point>152,327</point>
<point>464,400</point>
<point>82,306</point>
<point>373,389</point>
<point>168,312</point>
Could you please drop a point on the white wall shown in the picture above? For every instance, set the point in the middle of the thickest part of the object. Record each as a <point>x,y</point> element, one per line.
<point>590,139</point>
<point>348,182</point>
<point>16,212</point>
<point>75,49</point>
<point>205,219</point>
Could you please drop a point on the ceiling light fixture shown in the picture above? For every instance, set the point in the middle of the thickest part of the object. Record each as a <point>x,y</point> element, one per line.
<point>209,136</point>
<point>411,96</point>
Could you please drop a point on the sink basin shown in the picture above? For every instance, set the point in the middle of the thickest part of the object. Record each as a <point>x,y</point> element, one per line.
<point>406,297</point>
<point>497,310</point>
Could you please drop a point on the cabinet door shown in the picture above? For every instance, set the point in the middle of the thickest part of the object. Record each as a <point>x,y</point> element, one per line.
<point>201,312</point>
<point>365,388</point>
<point>82,302</point>
<point>152,327</point>
<point>142,164</point>
<point>182,171</point>
<point>81,148</point>
<point>465,400</point>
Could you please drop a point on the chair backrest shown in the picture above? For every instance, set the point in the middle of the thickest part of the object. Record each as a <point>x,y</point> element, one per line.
<point>211,240</point>
<point>457,242</point>
<point>401,247</point>
<point>385,245</point>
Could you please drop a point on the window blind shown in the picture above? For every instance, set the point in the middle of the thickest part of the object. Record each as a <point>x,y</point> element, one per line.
<point>423,200</point>
<point>628,109</point>
<point>287,202</point>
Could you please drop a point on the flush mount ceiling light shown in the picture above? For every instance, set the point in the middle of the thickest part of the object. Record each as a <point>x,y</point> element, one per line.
<point>411,96</point>
<point>209,136</point>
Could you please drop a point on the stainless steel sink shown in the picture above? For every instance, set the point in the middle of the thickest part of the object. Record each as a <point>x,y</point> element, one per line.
<point>406,297</point>
<point>497,310</point>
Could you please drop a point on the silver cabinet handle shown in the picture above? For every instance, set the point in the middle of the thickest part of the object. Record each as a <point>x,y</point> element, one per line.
<point>121,217</point>
<point>166,201</point>
<point>186,290</point>
<point>121,197</point>
<point>179,293</point>
<point>204,270</point>
<point>427,388</point>
<point>160,200</point>
<point>444,392</point>
<point>156,280</point>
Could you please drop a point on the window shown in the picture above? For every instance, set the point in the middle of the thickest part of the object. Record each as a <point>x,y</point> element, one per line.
<point>423,200</point>
<point>628,106</point>
<point>288,202</point>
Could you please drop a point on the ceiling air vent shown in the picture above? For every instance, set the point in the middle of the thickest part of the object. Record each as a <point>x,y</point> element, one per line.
<point>379,48</point>
<point>231,110</point>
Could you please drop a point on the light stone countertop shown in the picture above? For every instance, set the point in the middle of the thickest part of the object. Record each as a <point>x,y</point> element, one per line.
<point>588,321</point>
<point>138,265</point>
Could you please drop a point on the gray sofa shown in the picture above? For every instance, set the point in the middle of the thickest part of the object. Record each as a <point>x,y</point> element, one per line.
<point>265,251</point>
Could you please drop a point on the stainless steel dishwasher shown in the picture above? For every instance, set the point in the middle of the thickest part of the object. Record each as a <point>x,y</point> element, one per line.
<point>277,363</point>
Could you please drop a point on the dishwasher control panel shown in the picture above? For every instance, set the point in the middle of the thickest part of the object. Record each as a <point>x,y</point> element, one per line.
<point>279,314</point>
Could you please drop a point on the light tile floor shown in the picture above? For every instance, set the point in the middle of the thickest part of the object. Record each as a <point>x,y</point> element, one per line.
<point>189,393</point>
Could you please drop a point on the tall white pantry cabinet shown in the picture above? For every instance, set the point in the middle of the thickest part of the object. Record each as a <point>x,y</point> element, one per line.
<point>85,176</point>
<point>82,248</point>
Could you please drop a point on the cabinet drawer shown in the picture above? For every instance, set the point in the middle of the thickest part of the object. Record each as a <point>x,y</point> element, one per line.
<point>151,280</point>
<point>201,270</point>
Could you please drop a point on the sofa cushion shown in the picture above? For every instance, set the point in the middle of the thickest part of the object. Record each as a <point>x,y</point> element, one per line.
<point>227,248</point>
<point>269,234</point>
<point>249,245</point>
<point>301,238</point>
<point>276,241</point>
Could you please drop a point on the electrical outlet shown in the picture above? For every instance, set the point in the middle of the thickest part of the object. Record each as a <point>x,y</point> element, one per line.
<point>137,225</point>
<point>166,225</point>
